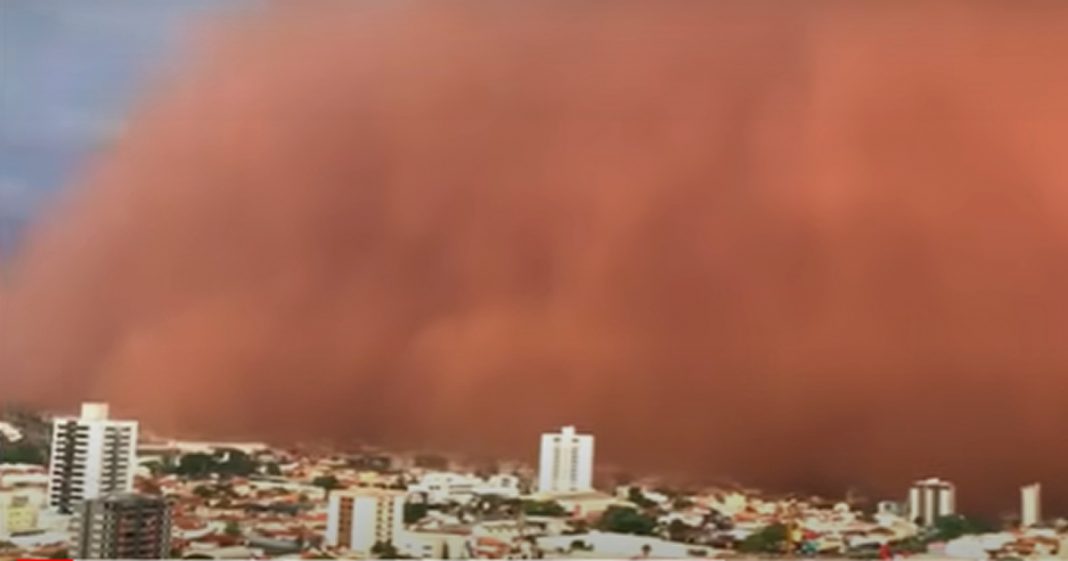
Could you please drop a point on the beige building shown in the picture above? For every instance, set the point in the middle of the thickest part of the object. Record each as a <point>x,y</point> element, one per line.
<point>20,508</point>
<point>357,520</point>
<point>931,499</point>
<point>431,544</point>
<point>1031,505</point>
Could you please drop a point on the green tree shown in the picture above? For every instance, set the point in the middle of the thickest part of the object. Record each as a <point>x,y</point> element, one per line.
<point>578,526</point>
<point>680,531</point>
<point>626,520</point>
<point>769,539</point>
<point>954,526</point>
<point>327,482</point>
<point>232,529</point>
<point>273,469</point>
<point>543,508</point>
<point>385,550</point>
<point>414,512</point>
<point>636,496</point>
<point>236,463</point>
<point>682,503</point>
<point>22,453</point>
<point>910,545</point>
<point>195,465</point>
<point>155,467</point>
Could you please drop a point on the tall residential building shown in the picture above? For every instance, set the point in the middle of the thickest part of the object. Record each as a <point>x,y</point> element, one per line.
<point>123,526</point>
<point>359,519</point>
<point>1031,505</point>
<point>92,455</point>
<point>566,462</point>
<point>931,499</point>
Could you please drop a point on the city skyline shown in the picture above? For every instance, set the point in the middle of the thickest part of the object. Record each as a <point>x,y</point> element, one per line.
<point>557,474</point>
<point>425,506</point>
<point>815,248</point>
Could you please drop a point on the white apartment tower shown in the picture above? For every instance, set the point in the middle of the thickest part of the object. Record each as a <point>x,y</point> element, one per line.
<point>1030,505</point>
<point>92,456</point>
<point>931,499</point>
<point>359,519</point>
<point>566,462</point>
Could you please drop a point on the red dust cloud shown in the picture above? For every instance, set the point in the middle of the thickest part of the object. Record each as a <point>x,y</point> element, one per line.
<point>806,245</point>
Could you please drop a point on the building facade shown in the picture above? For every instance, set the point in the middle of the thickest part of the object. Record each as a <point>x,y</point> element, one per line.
<point>360,519</point>
<point>1031,505</point>
<point>566,463</point>
<point>20,508</point>
<point>92,455</point>
<point>123,526</point>
<point>931,499</point>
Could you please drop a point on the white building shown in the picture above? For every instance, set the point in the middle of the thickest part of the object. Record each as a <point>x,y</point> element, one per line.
<point>442,544</point>
<point>92,456</point>
<point>1031,505</point>
<point>566,462</point>
<point>607,545</point>
<point>359,519</point>
<point>439,487</point>
<point>931,499</point>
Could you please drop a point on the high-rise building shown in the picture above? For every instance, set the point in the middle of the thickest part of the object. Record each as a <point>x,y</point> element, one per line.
<point>358,520</point>
<point>566,462</point>
<point>931,499</point>
<point>1030,505</point>
<point>92,455</point>
<point>123,526</point>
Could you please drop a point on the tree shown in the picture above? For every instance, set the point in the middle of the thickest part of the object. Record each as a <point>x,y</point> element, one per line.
<point>626,520</point>
<point>195,465</point>
<point>954,526</point>
<point>414,512</point>
<point>232,529</point>
<point>236,463</point>
<point>578,526</point>
<point>327,482</point>
<point>385,550</point>
<point>543,508</point>
<point>273,469</point>
<point>155,467</point>
<point>769,539</point>
<point>636,496</point>
<point>680,531</point>
<point>682,503</point>
<point>22,453</point>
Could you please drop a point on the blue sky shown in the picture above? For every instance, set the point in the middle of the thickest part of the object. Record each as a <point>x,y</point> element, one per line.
<point>69,70</point>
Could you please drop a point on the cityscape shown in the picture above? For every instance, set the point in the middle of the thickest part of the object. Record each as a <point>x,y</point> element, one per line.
<point>748,280</point>
<point>108,491</point>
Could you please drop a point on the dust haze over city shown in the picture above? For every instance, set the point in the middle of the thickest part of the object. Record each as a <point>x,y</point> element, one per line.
<point>810,246</point>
